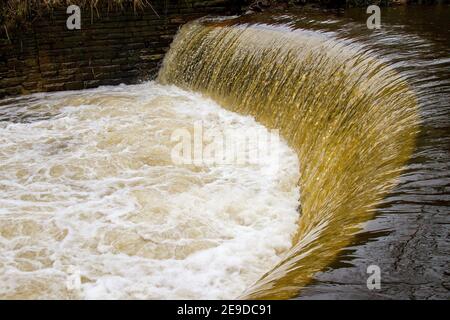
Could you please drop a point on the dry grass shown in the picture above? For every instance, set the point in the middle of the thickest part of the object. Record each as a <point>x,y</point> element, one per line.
<point>19,12</point>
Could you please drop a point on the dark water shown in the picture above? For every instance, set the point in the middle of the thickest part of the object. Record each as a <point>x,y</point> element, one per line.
<point>410,237</point>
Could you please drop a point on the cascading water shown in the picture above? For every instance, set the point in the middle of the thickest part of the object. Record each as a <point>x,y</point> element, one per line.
<point>351,119</point>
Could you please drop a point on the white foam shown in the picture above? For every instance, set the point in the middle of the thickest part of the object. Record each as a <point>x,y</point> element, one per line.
<point>91,205</point>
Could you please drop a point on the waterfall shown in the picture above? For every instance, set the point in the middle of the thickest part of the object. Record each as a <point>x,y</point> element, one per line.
<point>349,116</point>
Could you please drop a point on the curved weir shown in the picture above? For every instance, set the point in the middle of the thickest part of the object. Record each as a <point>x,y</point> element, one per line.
<point>351,119</point>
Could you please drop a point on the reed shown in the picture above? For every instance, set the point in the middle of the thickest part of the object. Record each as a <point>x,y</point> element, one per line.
<point>15,13</point>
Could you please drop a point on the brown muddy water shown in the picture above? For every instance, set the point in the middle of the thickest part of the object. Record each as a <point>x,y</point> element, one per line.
<point>93,206</point>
